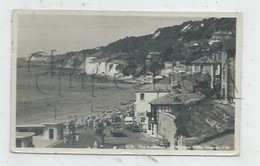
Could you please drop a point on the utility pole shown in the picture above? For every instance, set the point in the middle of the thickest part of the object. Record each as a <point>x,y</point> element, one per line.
<point>93,84</point>
<point>62,65</point>
<point>52,51</point>
<point>55,111</point>
<point>72,73</point>
<point>60,82</point>
<point>82,80</point>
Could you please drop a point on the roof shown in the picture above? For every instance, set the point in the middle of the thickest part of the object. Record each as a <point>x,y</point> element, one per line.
<point>222,33</point>
<point>154,53</point>
<point>24,134</point>
<point>149,73</point>
<point>203,60</point>
<point>154,88</point>
<point>174,99</point>
<point>53,123</point>
<point>30,125</point>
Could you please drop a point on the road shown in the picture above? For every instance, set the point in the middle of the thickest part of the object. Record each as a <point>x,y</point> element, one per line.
<point>129,139</point>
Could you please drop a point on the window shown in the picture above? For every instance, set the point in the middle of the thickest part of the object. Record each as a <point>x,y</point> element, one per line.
<point>142,96</point>
<point>142,119</point>
<point>201,67</point>
<point>38,131</point>
<point>18,143</point>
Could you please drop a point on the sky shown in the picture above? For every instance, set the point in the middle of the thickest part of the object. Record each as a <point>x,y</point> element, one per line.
<point>64,33</point>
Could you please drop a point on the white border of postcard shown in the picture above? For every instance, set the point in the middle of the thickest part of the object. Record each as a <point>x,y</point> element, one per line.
<point>238,66</point>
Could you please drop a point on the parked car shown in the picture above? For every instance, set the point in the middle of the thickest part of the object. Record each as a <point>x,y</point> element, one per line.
<point>128,122</point>
<point>116,130</point>
<point>136,128</point>
<point>163,142</point>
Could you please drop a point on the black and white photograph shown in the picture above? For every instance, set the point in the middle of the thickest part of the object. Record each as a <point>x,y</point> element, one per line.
<point>141,83</point>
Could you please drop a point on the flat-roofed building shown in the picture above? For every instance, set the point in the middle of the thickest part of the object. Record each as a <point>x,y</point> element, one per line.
<point>53,130</point>
<point>37,129</point>
<point>47,131</point>
<point>24,139</point>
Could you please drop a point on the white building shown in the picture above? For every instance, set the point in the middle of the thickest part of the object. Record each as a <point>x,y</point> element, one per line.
<point>166,72</point>
<point>53,131</point>
<point>173,67</point>
<point>218,36</point>
<point>143,97</point>
<point>179,67</point>
<point>43,135</point>
<point>147,78</point>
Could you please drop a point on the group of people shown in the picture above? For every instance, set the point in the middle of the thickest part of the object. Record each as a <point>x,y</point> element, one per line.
<point>97,121</point>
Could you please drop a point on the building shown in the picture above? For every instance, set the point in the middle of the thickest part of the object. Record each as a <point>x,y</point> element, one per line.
<point>227,59</point>
<point>218,36</point>
<point>53,131</point>
<point>148,78</point>
<point>24,139</point>
<point>144,96</point>
<point>168,68</point>
<point>180,67</point>
<point>166,72</point>
<point>171,104</point>
<point>37,129</point>
<point>206,66</point>
<point>173,67</point>
<point>152,57</point>
<point>47,131</point>
<point>166,128</point>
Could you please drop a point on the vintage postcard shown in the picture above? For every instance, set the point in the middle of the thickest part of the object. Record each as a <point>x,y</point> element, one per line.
<point>138,83</point>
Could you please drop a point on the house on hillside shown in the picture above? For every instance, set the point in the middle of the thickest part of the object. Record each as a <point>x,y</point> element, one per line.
<point>218,36</point>
<point>220,68</point>
<point>168,68</point>
<point>171,104</point>
<point>173,67</point>
<point>205,65</point>
<point>152,57</point>
<point>180,67</point>
<point>226,73</point>
<point>148,78</point>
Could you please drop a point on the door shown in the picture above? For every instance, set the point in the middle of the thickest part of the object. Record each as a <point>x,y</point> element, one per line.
<point>224,93</point>
<point>51,133</point>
